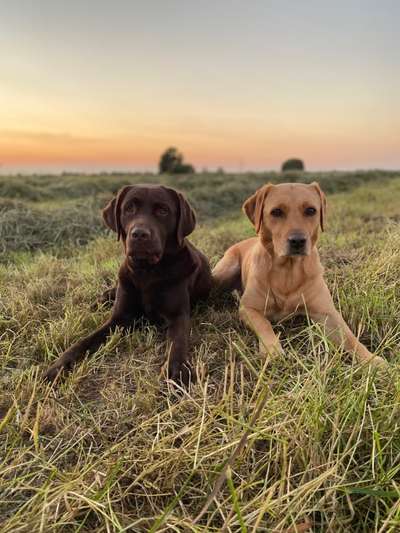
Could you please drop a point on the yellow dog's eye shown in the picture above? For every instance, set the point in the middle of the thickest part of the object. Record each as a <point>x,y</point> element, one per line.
<point>310,211</point>
<point>277,212</point>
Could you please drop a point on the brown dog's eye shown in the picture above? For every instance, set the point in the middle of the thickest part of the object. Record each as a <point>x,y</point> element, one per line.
<point>130,207</point>
<point>310,211</point>
<point>277,212</point>
<point>162,210</point>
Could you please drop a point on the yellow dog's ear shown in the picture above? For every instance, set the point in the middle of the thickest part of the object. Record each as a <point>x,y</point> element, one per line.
<point>253,206</point>
<point>322,198</point>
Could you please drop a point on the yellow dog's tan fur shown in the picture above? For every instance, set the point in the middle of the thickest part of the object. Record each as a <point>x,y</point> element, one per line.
<point>276,283</point>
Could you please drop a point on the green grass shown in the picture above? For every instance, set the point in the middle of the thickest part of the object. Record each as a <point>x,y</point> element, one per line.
<point>112,449</point>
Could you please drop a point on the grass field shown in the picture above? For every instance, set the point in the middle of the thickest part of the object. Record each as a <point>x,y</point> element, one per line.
<point>111,449</point>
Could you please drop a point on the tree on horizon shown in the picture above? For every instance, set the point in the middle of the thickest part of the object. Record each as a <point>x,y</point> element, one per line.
<point>171,162</point>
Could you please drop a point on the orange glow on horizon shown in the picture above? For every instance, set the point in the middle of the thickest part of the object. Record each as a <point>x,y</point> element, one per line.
<point>19,149</point>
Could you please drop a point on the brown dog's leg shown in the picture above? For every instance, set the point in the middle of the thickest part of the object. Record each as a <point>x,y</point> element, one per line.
<point>174,306</point>
<point>340,333</point>
<point>80,349</point>
<point>123,315</point>
<point>269,342</point>
<point>177,367</point>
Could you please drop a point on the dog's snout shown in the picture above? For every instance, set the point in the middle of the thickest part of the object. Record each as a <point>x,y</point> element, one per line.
<point>297,242</point>
<point>140,234</point>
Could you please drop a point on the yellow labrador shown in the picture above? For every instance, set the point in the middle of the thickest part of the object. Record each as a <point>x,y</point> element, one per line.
<point>279,272</point>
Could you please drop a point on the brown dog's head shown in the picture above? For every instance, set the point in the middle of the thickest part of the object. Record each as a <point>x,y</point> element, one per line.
<point>150,219</point>
<point>288,216</point>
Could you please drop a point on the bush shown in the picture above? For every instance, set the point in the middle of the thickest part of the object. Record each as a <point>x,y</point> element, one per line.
<point>293,164</point>
<point>184,169</point>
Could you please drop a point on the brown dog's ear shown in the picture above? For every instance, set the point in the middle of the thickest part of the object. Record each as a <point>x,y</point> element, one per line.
<point>109,215</point>
<point>112,211</point>
<point>253,206</point>
<point>186,219</point>
<point>322,198</point>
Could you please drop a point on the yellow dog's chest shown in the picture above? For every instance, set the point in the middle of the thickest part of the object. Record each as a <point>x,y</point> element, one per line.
<point>278,305</point>
<point>288,295</point>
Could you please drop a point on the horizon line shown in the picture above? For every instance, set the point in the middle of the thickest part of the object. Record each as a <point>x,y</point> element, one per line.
<point>132,172</point>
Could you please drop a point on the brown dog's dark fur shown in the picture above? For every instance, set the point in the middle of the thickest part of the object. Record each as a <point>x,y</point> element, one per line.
<point>161,276</point>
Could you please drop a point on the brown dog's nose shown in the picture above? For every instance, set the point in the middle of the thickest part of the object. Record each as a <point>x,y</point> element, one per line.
<point>140,234</point>
<point>297,242</point>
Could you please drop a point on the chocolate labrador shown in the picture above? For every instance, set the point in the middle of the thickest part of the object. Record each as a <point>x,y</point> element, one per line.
<point>161,276</point>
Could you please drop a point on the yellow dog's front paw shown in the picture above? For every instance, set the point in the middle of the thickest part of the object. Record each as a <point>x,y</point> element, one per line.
<point>377,361</point>
<point>272,350</point>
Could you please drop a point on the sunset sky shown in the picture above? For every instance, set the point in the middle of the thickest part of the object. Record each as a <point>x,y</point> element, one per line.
<point>99,85</point>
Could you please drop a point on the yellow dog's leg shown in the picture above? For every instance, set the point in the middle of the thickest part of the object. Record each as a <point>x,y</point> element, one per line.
<point>226,273</point>
<point>269,342</point>
<point>339,332</point>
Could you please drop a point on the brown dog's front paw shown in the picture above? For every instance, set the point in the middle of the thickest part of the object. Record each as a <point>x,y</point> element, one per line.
<point>57,368</point>
<point>179,372</point>
<point>52,372</point>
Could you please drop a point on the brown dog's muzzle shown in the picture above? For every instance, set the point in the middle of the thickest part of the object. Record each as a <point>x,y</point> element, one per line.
<point>144,244</point>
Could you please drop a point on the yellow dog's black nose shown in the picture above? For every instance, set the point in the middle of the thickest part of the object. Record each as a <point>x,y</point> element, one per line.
<point>297,242</point>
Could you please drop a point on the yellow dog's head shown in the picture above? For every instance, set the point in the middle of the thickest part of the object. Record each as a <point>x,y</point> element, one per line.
<point>288,216</point>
